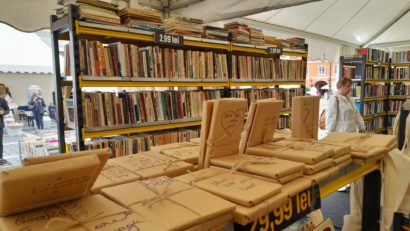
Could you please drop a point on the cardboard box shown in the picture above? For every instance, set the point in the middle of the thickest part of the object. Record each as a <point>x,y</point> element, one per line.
<point>305,116</point>
<point>173,204</point>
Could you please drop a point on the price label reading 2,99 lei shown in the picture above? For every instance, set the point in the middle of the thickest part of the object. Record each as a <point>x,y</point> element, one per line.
<point>296,208</point>
<point>169,39</point>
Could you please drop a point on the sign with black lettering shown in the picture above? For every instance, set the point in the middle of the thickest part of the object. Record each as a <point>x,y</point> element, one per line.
<point>169,39</point>
<point>277,51</point>
<point>297,207</point>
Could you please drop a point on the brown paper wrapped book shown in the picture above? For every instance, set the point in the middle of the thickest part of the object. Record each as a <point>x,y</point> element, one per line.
<point>112,175</point>
<point>305,116</point>
<point>207,111</point>
<point>40,185</point>
<point>239,188</point>
<point>296,186</point>
<point>188,153</point>
<point>243,214</point>
<point>173,204</point>
<point>290,152</point>
<point>376,140</point>
<point>323,175</point>
<point>341,159</point>
<point>225,129</point>
<point>270,167</point>
<point>261,123</point>
<point>90,213</point>
<point>152,164</point>
<point>312,169</point>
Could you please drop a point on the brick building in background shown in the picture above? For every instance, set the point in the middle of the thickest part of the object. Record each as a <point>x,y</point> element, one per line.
<point>321,73</point>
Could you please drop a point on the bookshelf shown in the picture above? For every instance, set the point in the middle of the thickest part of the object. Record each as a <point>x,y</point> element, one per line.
<point>399,88</point>
<point>370,89</point>
<point>69,28</point>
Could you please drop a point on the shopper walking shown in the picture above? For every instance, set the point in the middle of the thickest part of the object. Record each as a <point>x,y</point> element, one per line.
<point>4,110</point>
<point>39,107</point>
<point>342,114</point>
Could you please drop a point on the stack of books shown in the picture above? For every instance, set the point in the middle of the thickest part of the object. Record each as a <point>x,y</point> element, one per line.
<point>240,32</point>
<point>184,26</point>
<point>143,19</point>
<point>296,43</point>
<point>95,11</point>
<point>257,37</point>
<point>272,41</point>
<point>212,32</point>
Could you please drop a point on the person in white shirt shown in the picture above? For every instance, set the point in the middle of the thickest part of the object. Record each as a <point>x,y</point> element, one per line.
<point>342,114</point>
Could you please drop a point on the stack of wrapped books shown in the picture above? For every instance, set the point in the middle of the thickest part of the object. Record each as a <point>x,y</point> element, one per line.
<point>256,37</point>
<point>212,32</point>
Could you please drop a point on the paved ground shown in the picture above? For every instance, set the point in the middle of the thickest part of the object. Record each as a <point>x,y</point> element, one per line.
<point>11,143</point>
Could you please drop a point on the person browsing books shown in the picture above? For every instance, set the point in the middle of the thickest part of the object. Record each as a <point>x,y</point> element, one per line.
<point>4,110</point>
<point>39,108</point>
<point>342,114</point>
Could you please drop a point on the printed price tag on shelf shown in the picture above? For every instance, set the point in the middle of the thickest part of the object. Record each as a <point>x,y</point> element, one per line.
<point>169,39</point>
<point>274,51</point>
<point>296,208</point>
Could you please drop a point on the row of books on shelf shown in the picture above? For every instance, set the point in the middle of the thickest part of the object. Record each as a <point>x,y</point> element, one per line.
<point>390,121</point>
<point>129,108</point>
<point>378,73</point>
<point>250,67</point>
<point>128,60</point>
<point>264,93</point>
<point>399,89</point>
<point>400,57</point>
<point>105,109</point>
<point>372,108</point>
<point>107,13</point>
<point>395,105</point>
<point>375,55</point>
<point>127,145</point>
<point>370,90</point>
<point>284,122</point>
<point>401,73</point>
<point>374,124</point>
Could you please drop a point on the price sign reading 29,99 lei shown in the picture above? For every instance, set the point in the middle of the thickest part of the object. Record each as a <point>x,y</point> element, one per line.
<point>169,39</point>
<point>296,208</point>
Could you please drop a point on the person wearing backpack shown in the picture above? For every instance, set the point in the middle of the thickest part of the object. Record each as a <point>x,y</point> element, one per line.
<point>341,114</point>
<point>38,108</point>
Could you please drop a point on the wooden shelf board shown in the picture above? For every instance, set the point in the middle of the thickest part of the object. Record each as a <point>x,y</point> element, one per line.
<point>273,83</point>
<point>140,129</point>
<point>335,184</point>
<point>374,98</point>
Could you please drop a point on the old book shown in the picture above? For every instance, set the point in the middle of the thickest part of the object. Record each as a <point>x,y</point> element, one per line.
<point>159,197</point>
<point>305,117</point>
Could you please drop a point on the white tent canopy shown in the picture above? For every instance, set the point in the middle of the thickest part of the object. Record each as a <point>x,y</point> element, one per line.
<point>327,25</point>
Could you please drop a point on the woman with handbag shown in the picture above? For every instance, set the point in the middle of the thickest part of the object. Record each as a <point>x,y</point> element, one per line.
<point>342,114</point>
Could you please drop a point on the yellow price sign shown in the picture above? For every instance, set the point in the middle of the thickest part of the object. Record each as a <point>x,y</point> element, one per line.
<point>297,207</point>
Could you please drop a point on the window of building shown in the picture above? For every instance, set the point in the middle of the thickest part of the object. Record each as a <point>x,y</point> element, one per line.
<point>335,69</point>
<point>322,70</point>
